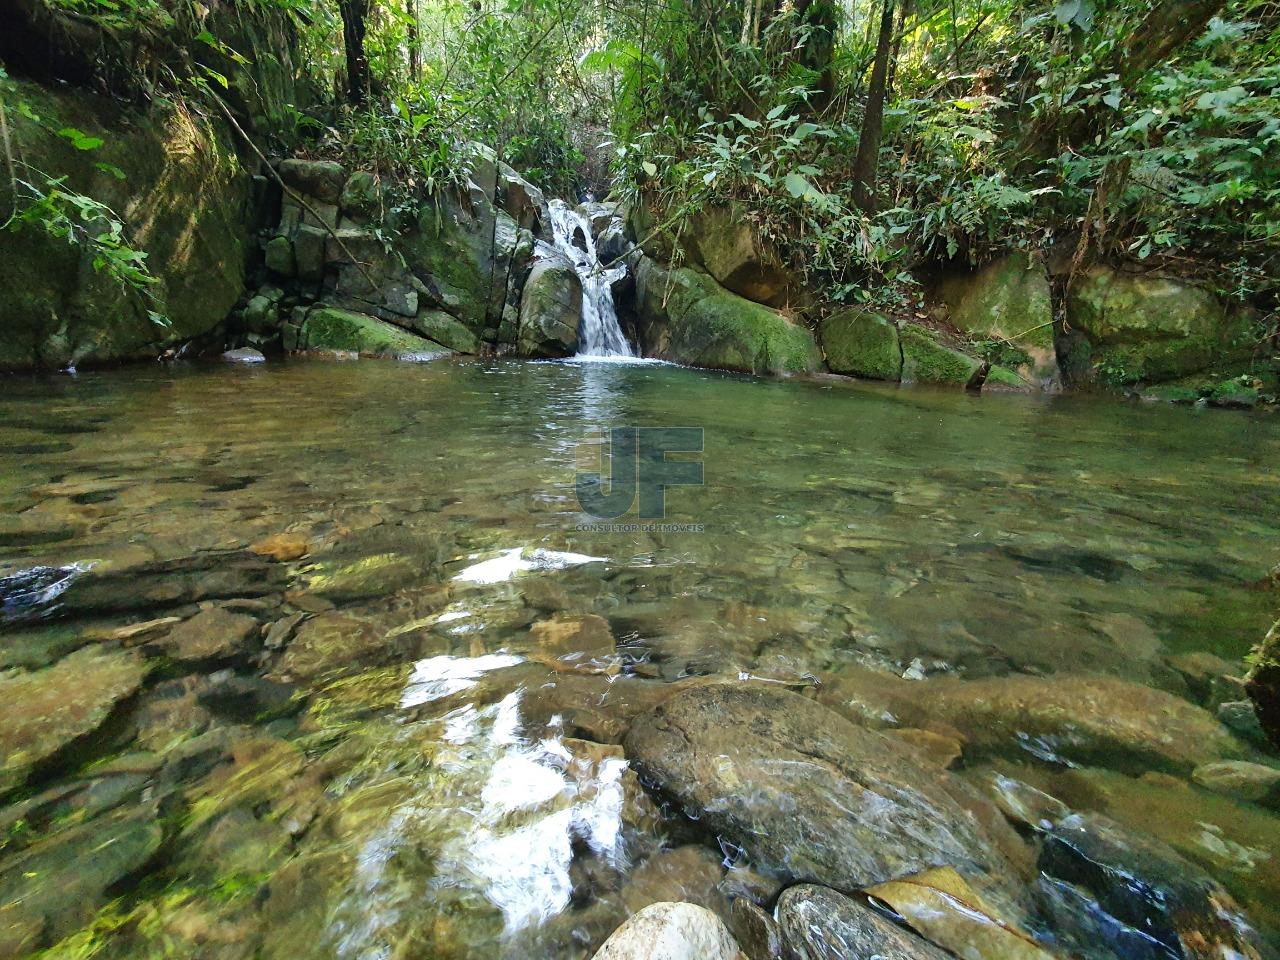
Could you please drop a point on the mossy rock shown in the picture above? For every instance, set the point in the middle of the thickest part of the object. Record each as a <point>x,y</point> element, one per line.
<point>1007,302</point>
<point>1153,329</point>
<point>328,328</point>
<point>446,330</point>
<point>863,344</point>
<point>925,360</point>
<point>183,201</point>
<point>687,317</point>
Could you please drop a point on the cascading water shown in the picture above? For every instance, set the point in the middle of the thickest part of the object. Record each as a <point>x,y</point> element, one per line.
<point>600,334</point>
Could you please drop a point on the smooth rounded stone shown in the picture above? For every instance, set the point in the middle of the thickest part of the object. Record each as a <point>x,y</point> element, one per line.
<point>756,932</point>
<point>820,924</point>
<point>244,355</point>
<point>322,179</point>
<point>1079,718</point>
<point>53,888</point>
<point>1241,780</point>
<point>671,931</point>
<point>47,710</point>
<point>212,635</point>
<point>282,547</point>
<point>808,795</point>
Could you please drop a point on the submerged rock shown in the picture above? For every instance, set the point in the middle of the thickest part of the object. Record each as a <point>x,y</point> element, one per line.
<point>1241,780</point>
<point>1139,890</point>
<point>808,795</point>
<point>671,931</point>
<point>1082,718</point>
<point>49,709</point>
<point>54,887</point>
<point>244,355</point>
<point>331,645</point>
<point>820,924</point>
<point>211,635</point>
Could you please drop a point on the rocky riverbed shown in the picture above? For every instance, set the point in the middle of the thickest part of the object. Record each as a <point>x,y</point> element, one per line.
<point>315,660</point>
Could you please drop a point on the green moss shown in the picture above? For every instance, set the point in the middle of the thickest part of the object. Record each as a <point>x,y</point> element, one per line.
<point>863,344</point>
<point>926,361</point>
<point>1006,377</point>
<point>328,328</point>
<point>711,327</point>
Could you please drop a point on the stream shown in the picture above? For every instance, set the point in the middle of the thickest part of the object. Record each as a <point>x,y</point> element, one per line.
<point>325,659</point>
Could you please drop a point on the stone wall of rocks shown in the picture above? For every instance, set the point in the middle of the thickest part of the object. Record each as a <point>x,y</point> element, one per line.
<point>350,265</point>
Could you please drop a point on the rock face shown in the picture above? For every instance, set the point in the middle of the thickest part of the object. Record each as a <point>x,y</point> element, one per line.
<point>49,709</point>
<point>1143,328</point>
<point>1008,298</point>
<point>670,931</point>
<point>1080,718</point>
<point>725,243</point>
<point>808,795</point>
<point>687,317</point>
<point>183,201</point>
<point>820,924</point>
<point>862,344</point>
<point>550,307</point>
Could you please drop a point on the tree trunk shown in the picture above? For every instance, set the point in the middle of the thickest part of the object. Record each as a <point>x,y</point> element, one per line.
<point>864,165</point>
<point>1169,25</point>
<point>354,14</point>
<point>415,50</point>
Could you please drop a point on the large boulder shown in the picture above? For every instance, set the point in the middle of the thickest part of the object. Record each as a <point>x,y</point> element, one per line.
<point>1008,305</point>
<point>182,199</point>
<point>862,344</point>
<point>1147,328</point>
<point>725,242</point>
<point>550,306</point>
<point>687,317</point>
<point>328,328</point>
<point>809,796</point>
<point>50,709</point>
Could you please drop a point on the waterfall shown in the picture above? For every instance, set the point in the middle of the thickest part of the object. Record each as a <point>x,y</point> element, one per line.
<point>599,335</point>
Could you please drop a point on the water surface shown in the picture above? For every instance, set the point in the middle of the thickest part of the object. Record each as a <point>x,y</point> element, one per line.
<point>430,781</point>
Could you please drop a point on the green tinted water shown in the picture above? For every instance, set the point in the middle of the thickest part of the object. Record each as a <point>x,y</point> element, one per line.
<point>452,809</point>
